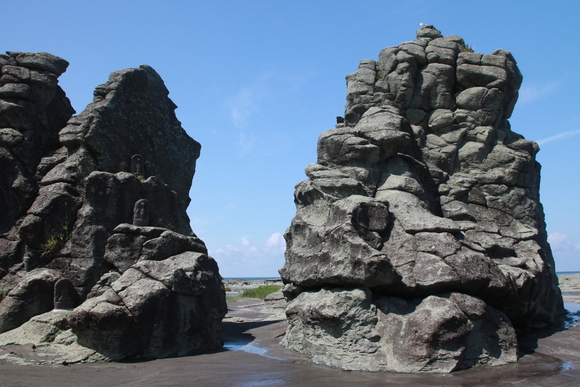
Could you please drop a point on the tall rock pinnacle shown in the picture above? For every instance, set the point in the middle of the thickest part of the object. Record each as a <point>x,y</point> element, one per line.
<point>419,242</point>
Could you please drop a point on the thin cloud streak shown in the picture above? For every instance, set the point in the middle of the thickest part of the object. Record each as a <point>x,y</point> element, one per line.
<point>246,104</point>
<point>532,93</point>
<point>558,137</point>
<point>247,101</point>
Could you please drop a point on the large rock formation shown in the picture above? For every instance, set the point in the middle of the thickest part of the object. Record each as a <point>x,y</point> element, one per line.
<point>100,199</point>
<point>419,242</point>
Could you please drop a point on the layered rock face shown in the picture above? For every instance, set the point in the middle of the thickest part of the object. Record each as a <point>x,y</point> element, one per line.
<point>100,199</point>
<point>419,242</point>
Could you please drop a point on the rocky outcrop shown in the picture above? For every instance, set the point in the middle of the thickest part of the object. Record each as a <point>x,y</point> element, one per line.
<point>100,200</point>
<point>419,242</point>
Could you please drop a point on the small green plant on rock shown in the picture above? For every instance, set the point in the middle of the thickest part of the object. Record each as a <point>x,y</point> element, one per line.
<point>465,48</point>
<point>56,240</point>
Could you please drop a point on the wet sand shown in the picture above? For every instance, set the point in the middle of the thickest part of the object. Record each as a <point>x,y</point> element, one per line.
<point>253,357</point>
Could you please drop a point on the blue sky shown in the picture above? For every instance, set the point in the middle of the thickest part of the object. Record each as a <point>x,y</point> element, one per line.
<point>257,82</point>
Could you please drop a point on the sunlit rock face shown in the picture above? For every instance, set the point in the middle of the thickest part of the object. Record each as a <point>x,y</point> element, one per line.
<point>100,199</point>
<point>419,242</point>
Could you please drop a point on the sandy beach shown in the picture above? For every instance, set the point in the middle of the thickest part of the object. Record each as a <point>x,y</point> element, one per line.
<point>252,356</point>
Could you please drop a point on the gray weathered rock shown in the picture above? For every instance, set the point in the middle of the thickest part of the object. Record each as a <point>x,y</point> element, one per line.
<point>350,329</point>
<point>69,191</point>
<point>443,333</point>
<point>52,340</point>
<point>336,327</point>
<point>34,295</point>
<point>425,201</point>
<point>171,307</point>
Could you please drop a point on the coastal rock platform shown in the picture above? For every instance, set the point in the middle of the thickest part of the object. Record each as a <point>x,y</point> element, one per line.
<point>253,356</point>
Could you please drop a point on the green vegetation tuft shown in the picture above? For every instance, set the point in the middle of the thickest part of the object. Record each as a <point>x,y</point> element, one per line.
<point>259,292</point>
<point>465,48</point>
<point>56,240</point>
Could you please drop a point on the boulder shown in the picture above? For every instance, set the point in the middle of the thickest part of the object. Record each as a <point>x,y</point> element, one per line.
<point>32,296</point>
<point>422,216</point>
<point>51,339</point>
<point>348,329</point>
<point>467,332</point>
<point>166,308</point>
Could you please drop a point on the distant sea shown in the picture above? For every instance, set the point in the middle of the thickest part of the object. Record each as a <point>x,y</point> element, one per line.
<point>251,278</point>
<point>277,278</point>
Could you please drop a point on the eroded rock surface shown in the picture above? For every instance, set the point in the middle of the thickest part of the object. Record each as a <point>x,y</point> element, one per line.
<point>419,242</point>
<point>100,199</point>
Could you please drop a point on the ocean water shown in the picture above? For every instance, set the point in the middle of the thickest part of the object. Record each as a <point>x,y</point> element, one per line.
<point>277,278</point>
<point>252,278</point>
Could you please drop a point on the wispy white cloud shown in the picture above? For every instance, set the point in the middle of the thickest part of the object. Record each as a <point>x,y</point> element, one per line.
<point>244,105</point>
<point>558,137</point>
<point>256,99</point>
<point>246,142</point>
<point>535,92</point>
<point>563,242</point>
<point>557,240</point>
<point>251,259</point>
<point>276,241</point>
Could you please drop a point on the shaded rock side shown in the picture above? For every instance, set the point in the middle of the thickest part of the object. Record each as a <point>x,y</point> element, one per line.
<point>421,191</point>
<point>108,203</point>
<point>33,109</point>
